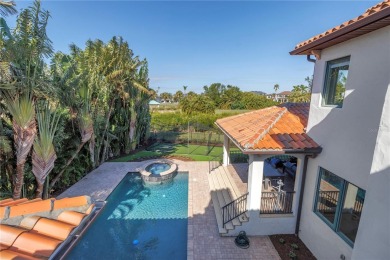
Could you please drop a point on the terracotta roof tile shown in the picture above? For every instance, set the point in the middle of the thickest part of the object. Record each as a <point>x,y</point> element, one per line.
<point>275,128</point>
<point>37,237</point>
<point>382,7</point>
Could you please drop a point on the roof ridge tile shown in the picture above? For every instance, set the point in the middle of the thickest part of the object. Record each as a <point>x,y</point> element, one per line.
<point>273,120</point>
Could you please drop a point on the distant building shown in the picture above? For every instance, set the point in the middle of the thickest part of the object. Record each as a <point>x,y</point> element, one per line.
<point>259,93</point>
<point>281,97</point>
<point>154,104</point>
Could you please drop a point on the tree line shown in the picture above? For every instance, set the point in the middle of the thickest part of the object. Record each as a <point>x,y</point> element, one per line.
<point>58,120</point>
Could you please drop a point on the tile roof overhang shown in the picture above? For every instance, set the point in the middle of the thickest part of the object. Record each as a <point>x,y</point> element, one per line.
<point>374,18</point>
<point>274,130</point>
<point>42,229</point>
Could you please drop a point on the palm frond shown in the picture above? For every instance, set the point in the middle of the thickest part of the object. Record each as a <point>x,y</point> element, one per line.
<point>7,8</point>
<point>21,107</point>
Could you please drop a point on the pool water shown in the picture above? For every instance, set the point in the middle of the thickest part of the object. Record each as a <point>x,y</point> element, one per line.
<point>157,168</point>
<point>154,215</point>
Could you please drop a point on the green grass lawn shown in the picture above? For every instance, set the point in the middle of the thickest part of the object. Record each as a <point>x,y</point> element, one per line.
<point>195,152</point>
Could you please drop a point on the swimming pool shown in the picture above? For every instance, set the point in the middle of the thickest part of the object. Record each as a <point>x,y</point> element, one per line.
<point>154,215</point>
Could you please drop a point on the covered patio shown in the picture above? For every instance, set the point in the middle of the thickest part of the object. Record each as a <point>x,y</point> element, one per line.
<point>278,149</point>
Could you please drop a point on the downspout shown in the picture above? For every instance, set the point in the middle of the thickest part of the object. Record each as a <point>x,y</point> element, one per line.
<point>310,59</point>
<point>301,194</point>
<point>303,178</point>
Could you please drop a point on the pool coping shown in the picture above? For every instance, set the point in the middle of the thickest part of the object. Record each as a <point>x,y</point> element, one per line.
<point>163,176</point>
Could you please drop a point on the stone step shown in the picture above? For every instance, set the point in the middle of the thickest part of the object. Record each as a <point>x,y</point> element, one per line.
<point>217,198</point>
<point>216,207</point>
<point>236,191</point>
<point>226,191</point>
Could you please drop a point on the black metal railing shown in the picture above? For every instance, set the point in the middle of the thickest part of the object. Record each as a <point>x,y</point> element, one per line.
<point>234,209</point>
<point>358,206</point>
<point>215,162</point>
<point>276,202</point>
<point>327,201</point>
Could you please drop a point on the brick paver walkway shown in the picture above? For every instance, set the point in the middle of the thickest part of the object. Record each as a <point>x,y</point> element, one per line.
<point>204,241</point>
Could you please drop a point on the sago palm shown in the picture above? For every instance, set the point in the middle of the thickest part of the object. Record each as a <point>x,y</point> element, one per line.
<point>44,155</point>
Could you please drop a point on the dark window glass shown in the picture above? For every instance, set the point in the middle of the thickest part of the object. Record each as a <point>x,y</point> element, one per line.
<point>339,203</point>
<point>335,80</point>
<point>351,211</point>
<point>328,195</point>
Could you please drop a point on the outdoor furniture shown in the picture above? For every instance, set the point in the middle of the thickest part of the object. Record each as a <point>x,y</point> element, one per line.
<point>290,169</point>
<point>267,184</point>
<point>273,174</point>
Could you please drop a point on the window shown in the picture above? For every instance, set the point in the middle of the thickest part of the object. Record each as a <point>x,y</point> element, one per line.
<point>335,80</point>
<point>339,203</point>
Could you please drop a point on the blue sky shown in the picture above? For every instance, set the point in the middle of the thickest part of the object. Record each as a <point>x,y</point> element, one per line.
<point>245,44</point>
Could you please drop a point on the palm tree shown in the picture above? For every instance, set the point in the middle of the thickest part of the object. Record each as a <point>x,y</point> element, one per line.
<point>22,59</point>
<point>7,7</point>
<point>23,120</point>
<point>86,131</point>
<point>185,90</point>
<point>178,96</point>
<point>44,155</point>
<point>276,88</point>
<point>300,93</point>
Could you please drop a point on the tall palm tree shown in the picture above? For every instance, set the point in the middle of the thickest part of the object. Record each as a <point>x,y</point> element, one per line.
<point>23,120</point>
<point>7,7</point>
<point>86,130</point>
<point>44,155</point>
<point>276,88</point>
<point>22,56</point>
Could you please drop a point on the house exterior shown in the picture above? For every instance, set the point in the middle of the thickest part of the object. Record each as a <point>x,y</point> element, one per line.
<point>341,140</point>
<point>281,97</point>
<point>354,132</point>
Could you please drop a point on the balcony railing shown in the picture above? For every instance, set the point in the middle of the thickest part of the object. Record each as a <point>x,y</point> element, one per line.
<point>327,201</point>
<point>276,202</point>
<point>357,208</point>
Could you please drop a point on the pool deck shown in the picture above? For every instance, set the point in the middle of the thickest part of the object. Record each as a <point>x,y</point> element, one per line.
<point>204,241</point>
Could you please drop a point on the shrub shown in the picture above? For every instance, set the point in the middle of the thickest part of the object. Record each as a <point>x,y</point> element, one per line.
<point>292,255</point>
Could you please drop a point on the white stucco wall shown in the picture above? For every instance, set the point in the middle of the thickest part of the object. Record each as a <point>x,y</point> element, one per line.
<point>268,224</point>
<point>356,147</point>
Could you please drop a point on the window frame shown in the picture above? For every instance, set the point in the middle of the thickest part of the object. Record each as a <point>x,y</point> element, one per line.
<point>336,225</point>
<point>339,62</point>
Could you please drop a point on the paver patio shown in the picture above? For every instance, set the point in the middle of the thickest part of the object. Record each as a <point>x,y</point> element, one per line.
<point>204,241</point>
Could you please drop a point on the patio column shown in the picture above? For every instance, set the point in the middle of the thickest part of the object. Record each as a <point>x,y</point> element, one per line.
<point>226,150</point>
<point>255,180</point>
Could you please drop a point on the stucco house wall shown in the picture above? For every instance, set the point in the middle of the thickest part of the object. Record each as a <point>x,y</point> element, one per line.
<point>355,142</point>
